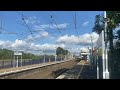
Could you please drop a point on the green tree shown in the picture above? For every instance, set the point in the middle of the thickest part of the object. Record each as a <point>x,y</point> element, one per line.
<point>58,51</point>
<point>6,54</point>
<point>114,21</point>
<point>61,51</point>
<point>98,25</point>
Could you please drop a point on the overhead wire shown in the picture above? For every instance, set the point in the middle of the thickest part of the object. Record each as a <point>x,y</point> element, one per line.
<point>53,21</point>
<point>25,22</point>
<point>38,25</point>
<point>2,29</point>
<point>75,23</point>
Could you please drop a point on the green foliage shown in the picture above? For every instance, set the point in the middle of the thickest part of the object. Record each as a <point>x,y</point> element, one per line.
<point>61,51</point>
<point>6,54</point>
<point>114,21</point>
<point>98,25</point>
<point>114,17</point>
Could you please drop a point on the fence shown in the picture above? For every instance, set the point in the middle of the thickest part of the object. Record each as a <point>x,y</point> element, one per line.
<point>13,63</point>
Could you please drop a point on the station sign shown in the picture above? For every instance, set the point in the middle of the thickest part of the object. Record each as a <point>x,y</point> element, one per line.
<point>17,53</point>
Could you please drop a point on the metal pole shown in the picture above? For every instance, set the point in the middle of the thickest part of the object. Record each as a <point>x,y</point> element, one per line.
<point>21,60</point>
<point>17,62</point>
<point>44,57</point>
<point>103,54</point>
<point>106,55</point>
<point>97,66</point>
<point>14,61</point>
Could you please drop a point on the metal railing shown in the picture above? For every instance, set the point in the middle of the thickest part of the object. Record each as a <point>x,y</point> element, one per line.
<point>13,63</point>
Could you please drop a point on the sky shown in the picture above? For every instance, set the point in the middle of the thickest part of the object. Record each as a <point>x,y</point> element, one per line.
<point>38,31</point>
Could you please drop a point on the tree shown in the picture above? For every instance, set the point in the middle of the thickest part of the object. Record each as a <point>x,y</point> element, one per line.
<point>98,25</point>
<point>61,51</point>
<point>6,54</point>
<point>65,52</point>
<point>58,51</point>
<point>114,21</point>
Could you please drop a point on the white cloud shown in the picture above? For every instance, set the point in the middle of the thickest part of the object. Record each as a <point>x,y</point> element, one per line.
<point>49,47</point>
<point>5,44</point>
<point>13,45</point>
<point>83,39</point>
<point>44,34</point>
<point>31,47</point>
<point>34,48</point>
<point>50,26</point>
<point>41,34</point>
<point>61,26</point>
<point>29,38</point>
<point>37,48</point>
<point>68,39</point>
<point>31,20</point>
<point>37,28</point>
<point>85,23</point>
<point>19,43</point>
<point>1,43</point>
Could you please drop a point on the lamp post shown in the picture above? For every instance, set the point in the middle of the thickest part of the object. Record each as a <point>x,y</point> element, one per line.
<point>106,51</point>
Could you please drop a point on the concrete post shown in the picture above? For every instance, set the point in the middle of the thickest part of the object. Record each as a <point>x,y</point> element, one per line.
<point>21,60</point>
<point>17,62</point>
<point>97,66</point>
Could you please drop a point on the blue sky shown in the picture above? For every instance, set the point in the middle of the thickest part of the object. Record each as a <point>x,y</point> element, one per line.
<point>44,28</point>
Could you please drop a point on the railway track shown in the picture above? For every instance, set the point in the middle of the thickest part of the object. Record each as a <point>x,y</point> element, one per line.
<point>51,72</point>
<point>79,71</point>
